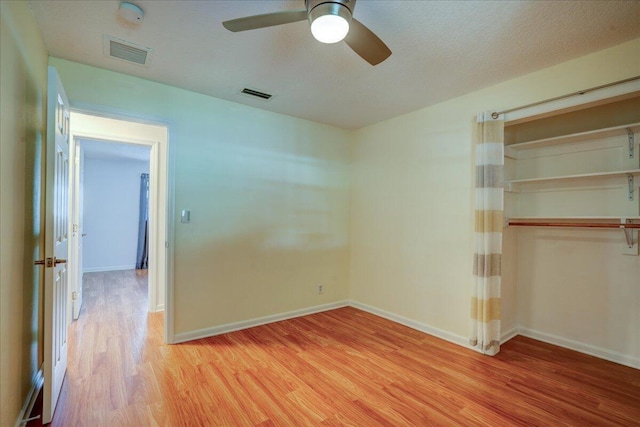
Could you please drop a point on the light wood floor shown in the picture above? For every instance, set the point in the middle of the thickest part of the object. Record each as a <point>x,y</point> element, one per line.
<point>342,367</point>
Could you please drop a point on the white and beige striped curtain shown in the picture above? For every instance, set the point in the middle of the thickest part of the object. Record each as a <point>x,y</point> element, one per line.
<point>485,301</point>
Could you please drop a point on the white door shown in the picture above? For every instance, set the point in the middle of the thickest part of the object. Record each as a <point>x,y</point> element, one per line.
<point>56,232</point>
<point>78,233</point>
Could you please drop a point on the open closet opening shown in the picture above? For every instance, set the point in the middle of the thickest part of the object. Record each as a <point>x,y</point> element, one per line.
<point>570,242</point>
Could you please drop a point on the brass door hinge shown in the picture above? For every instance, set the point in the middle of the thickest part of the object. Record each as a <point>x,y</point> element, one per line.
<point>50,262</point>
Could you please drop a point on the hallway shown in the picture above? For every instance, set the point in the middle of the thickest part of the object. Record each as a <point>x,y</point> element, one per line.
<point>109,374</point>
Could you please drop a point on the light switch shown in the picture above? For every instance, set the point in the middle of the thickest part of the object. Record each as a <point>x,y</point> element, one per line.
<point>185,216</point>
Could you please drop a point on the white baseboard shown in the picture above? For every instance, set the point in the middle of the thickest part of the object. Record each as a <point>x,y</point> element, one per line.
<point>36,385</point>
<point>589,349</point>
<point>245,324</point>
<point>422,327</point>
<point>111,268</point>
<point>506,336</point>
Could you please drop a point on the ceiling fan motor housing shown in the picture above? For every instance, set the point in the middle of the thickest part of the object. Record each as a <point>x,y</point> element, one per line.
<point>311,4</point>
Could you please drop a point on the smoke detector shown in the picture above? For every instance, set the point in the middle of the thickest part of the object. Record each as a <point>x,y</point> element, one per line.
<point>130,12</point>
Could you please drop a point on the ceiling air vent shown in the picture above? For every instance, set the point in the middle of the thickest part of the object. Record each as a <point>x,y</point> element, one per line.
<point>127,51</point>
<point>255,93</point>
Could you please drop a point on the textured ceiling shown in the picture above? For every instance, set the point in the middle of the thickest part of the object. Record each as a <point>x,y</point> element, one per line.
<point>441,49</point>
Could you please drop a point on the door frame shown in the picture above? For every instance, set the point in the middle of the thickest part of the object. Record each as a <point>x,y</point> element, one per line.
<point>88,125</point>
<point>76,180</point>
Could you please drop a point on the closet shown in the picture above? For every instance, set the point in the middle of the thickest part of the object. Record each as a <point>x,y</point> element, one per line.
<point>571,264</point>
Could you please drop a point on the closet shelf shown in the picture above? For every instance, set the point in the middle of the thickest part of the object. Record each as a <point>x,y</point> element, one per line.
<point>551,182</point>
<point>633,172</point>
<point>576,137</point>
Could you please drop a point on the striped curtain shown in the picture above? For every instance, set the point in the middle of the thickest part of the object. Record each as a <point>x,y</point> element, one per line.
<point>485,301</point>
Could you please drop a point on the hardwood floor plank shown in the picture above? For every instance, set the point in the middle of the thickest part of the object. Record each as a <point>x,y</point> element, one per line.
<point>232,393</point>
<point>343,367</point>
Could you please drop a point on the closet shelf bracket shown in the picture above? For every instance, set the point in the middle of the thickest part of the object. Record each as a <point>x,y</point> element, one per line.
<point>630,179</point>
<point>631,142</point>
<point>628,232</point>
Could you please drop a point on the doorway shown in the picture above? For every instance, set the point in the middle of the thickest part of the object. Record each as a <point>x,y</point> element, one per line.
<point>112,205</point>
<point>150,137</point>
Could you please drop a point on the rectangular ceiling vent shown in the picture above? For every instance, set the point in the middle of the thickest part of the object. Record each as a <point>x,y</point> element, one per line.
<point>127,51</point>
<point>255,93</point>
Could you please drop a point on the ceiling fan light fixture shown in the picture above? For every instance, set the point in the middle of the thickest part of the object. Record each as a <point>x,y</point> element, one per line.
<point>329,22</point>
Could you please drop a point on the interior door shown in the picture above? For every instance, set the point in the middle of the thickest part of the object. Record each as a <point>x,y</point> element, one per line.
<point>78,230</point>
<point>56,232</point>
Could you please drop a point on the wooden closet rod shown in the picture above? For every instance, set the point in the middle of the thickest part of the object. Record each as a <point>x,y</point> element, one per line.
<point>496,114</point>
<point>573,224</point>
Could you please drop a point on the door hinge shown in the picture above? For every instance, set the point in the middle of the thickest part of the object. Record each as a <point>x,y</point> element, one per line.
<point>74,295</point>
<point>47,262</point>
<point>50,262</point>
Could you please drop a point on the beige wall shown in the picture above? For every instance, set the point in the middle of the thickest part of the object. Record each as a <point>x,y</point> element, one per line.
<point>412,231</point>
<point>268,194</point>
<point>23,79</point>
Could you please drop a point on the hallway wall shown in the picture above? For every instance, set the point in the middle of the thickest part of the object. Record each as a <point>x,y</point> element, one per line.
<point>111,212</point>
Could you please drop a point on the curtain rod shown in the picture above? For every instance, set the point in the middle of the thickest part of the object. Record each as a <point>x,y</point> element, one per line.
<point>496,114</point>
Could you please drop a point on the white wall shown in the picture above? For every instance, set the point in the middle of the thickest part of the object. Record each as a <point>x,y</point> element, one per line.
<point>23,89</point>
<point>268,194</point>
<point>111,209</point>
<point>412,224</point>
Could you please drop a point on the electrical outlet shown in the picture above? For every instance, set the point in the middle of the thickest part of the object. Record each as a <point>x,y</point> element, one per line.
<point>320,288</point>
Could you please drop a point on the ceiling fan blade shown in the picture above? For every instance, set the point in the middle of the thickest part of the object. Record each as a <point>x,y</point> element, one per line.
<point>366,44</point>
<point>266,20</point>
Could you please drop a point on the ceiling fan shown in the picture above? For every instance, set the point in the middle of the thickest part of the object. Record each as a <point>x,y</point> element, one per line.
<point>331,22</point>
